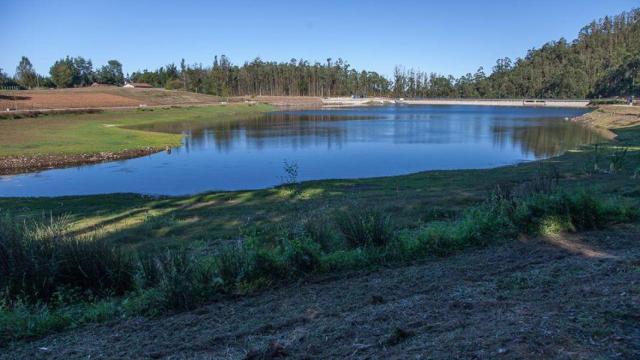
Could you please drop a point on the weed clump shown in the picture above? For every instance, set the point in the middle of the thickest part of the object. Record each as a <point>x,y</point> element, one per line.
<point>365,228</point>
<point>39,258</point>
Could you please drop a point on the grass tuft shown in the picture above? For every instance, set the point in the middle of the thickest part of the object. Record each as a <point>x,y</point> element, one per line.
<point>365,228</point>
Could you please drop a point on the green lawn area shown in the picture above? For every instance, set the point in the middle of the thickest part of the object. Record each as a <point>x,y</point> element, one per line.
<point>108,131</point>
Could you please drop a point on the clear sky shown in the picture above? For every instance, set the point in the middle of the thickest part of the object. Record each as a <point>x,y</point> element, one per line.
<point>452,37</point>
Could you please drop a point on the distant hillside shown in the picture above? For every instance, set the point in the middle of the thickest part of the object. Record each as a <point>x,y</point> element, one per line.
<point>603,61</point>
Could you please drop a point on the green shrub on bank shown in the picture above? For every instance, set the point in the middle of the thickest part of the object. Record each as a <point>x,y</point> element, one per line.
<point>599,102</point>
<point>184,281</point>
<point>37,259</point>
<point>365,228</point>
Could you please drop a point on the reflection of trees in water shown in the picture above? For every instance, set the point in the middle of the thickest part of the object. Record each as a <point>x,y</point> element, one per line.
<point>280,129</point>
<point>541,137</point>
<point>546,139</point>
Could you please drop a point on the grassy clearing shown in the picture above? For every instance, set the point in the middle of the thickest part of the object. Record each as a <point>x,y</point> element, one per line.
<point>108,131</point>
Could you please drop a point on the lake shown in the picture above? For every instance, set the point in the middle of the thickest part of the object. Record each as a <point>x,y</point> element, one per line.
<point>322,144</point>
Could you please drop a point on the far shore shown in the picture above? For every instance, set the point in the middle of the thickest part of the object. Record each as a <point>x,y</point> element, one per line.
<point>345,101</point>
<point>26,102</point>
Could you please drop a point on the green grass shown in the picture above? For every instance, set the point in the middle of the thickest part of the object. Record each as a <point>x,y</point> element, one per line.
<point>108,131</point>
<point>186,278</point>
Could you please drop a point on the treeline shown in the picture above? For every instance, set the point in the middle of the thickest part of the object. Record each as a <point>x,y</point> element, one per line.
<point>603,61</point>
<point>293,78</point>
<point>64,73</point>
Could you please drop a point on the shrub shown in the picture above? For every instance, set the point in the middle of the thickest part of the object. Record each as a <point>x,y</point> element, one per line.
<point>438,239</point>
<point>184,281</point>
<point>302,255</point>
<point>365,228</point>
<point>265,264</point>
<point>612,101</point>
<point>24,320</point>
<point>37,259</point>
<point>231,265</point>
<point>320,231</point>
<point>487,223</point>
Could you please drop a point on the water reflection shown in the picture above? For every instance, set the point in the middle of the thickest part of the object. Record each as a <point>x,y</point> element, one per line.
<point>344,143</point>
<point>537,137</point>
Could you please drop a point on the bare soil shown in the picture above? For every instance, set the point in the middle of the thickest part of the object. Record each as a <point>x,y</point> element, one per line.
<point>565,297</point>
<point>58,99</point>
<point>99,97</point>
<point>284,101</point>
<point>117,97</point>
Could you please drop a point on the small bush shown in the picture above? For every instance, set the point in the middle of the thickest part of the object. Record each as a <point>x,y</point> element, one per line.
<point>25,320</point>
<point>39,258</point>
<point>438,239</point>
<point>231,265</point>
<point>322,232</point>
<point>365,228</point>
<point>487,223</point>
<point>266,264</point>
<point>302,255</point>
<point>148,271</point>
<point>611,101</point>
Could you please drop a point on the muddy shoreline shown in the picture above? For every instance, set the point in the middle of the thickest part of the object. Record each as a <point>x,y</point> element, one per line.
<point>14,165</point>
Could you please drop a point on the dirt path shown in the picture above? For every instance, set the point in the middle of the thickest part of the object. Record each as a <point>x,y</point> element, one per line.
<point>569,297</point>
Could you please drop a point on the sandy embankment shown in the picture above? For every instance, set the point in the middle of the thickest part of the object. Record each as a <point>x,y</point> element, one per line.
<point>345,101</point>
<point>605,118</point>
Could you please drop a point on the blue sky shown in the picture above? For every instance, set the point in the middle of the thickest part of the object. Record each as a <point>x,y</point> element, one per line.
<point>452,37</point>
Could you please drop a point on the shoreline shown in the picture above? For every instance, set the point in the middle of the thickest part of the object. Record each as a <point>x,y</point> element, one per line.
<point>377,101</point>
<point>16,165</point>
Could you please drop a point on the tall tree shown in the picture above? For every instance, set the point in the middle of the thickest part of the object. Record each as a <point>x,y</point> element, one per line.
<point>25,74</point>
<point>62,73</point>
<point>4,78</point>
<point>111,73</point>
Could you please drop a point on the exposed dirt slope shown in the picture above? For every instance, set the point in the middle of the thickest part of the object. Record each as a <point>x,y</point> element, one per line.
<point>99,97</point>
<point>569,297</point>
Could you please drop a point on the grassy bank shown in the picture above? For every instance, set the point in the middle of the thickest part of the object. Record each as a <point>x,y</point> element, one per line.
<point>106,131</point>
<point>53,280</point>
<point>182,251</point>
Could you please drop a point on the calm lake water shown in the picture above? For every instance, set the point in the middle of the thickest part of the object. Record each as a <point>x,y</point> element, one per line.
<point>325,144</point>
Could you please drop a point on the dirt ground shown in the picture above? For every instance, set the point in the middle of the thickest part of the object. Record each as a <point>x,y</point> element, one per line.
<point>286,101</point>
<point>54,99</point>
<point>566,297</point>
<point>114,97</point>
<point>100,97</point>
